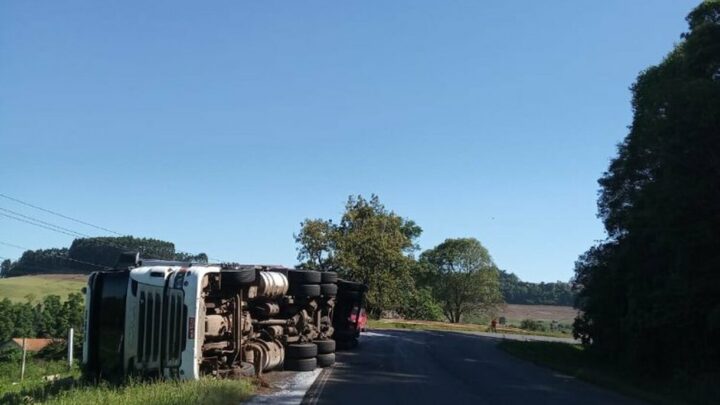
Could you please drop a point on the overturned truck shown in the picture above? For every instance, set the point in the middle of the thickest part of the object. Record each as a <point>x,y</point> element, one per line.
<point>180,320</point>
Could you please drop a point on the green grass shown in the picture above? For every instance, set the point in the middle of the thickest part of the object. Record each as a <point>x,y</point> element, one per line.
<point>577,361</point>
<point>71,390</point>
<point>17,288</point>
<point>205,392</point>
<point>35,370</point>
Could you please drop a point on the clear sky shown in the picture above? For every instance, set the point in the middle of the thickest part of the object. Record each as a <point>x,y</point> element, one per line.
<point>221,125</point>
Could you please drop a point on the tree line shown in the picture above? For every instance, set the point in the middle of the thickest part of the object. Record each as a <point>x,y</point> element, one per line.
<point>650,293</point>
<point>86,255</point>
<point>516,291</point>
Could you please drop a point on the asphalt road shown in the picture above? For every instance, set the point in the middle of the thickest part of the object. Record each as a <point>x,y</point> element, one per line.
<point>417,367</point>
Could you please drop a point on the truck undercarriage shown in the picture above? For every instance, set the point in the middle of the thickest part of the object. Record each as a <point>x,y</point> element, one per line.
<point>181,320</point>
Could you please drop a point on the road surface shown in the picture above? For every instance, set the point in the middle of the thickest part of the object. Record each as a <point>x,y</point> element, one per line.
<point>423,367</point>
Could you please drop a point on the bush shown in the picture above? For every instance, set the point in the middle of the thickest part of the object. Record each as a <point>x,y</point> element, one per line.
<point>10,354</point>
<point>53,351</point>
<point>533,325</point>
<point>421,305</point>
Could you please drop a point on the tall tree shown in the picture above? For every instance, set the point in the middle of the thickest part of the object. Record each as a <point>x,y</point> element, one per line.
<point>650,294</point>
<point>370,244</point>
<point>465,277</point>
<point>5,268</point>
<point>316,244</point>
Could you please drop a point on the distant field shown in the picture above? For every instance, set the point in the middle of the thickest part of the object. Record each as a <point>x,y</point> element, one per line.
<point>459,327</point>
<point>516,313</point>
<point>16,288</point>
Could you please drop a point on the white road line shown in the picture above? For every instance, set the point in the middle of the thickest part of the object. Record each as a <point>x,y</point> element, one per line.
<point>374,334</point>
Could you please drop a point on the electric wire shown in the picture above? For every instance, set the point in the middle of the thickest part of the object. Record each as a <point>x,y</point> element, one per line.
<point>38,225</point>
<point>56,228</point>
<point>47,225</point>
<point>58,214</point>
<point>43,222</point>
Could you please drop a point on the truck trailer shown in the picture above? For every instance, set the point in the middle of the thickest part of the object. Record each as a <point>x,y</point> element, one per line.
<point>162,319</point>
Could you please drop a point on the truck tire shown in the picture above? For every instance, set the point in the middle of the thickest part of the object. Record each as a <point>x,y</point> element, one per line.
<point>300,351</point>
<point>231,278</point>
<point>351,285</point>
<point>329,290</point>
<point>300,364</point>
<point>304,290</point>
<point>303,277</point>
<point>328,277</point>
<point>325,346</point>
<point>325,360</point>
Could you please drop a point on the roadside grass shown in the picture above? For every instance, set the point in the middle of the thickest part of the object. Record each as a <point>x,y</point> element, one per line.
<point>17,288</point>
<point>459,327</point>
<point>68,388</point>
<point>577,361</point>
<point>207,391</point>
<point>35,370</point>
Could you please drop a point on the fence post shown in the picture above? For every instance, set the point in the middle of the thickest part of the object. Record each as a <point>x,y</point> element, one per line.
<point>22,368</point>
<point>70,347</point>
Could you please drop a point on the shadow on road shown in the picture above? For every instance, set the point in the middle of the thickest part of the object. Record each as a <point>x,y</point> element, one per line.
<point>428,367</point>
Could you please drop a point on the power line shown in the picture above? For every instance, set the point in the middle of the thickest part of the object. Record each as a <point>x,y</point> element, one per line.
<point>59,214</point>
<point>43,222</point>
<point>56,228</point>
<point>38,225</point>
<point>15,246</point>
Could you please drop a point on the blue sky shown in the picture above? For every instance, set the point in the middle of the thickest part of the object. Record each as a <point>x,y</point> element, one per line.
<point>220,126</point>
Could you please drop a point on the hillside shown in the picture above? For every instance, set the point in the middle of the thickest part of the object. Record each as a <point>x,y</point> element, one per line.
<point>17,288</point>
<point>86,255</point>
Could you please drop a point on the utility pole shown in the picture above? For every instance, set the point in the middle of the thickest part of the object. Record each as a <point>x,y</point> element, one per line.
<point>22,369</point>
<point>70,347</point>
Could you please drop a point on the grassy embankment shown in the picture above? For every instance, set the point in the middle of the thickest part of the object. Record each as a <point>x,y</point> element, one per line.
<point>17,288</point>
<point>68,389</point>
<point>578,362</point>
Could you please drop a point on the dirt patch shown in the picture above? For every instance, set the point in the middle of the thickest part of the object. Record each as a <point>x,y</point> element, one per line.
<point>539,312</point>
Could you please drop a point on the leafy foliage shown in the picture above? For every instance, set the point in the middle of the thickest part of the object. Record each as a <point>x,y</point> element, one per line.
<point>420,304</point>
<point>376,246</point>
<point>5,267</point>
<point>464,277</point>
<point>370,244</point>
<point>316,242</point>
<point>650,294</point>
<point>50,317</point>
